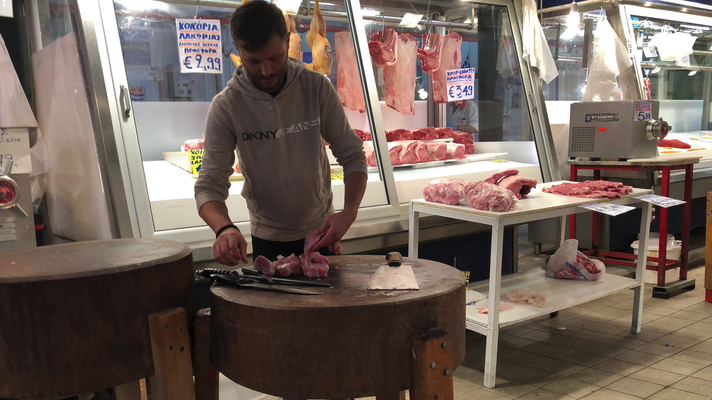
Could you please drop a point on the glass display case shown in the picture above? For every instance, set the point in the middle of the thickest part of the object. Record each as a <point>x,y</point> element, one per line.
<point>142,106</point>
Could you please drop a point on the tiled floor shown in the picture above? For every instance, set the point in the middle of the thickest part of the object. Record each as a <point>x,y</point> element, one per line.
<point>588,352</point>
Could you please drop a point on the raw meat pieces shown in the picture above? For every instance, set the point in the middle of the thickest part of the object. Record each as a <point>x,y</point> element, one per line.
<point>678,144</point>
<point>370,154</point>
<point>314,265</point>
<point>394,150</point>
<point>469,148</point>
<point>450,58</point>
<point>425,134</point>
<point>193,144</point>
<point>455,151</point>
<point>502,307</point>
<point>437,151</point>
<point>591,189</point>
<point>348,81</point>
<point>445,191</point>
<point>383,47</point>
<point>523,295</point>
<point>518,185</point>
<point>463,137</point>
<point>295,41</point>
<point>264,265</point>
<point>363,135</point>
<point>429,54</point>
<point>398,134</point>
<point>312,239</point>
<point>407,154</point>
<point>488,197</point>
<point>498,176</point>
<point>400,77</point>
<point>286,266</point>
<point>444,133</point>
<point>319,44</point>
<point>421,152</point>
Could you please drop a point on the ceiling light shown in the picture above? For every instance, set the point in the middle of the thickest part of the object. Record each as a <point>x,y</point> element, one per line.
<point>289,6</point>
<point>574,18</point>
<point>410,20</point>
<point>422,94</point>
<point>647,4</point>
<point>143,5</point>
<point>684,10</point>
<point>692,73</point>
<point>370,12</point>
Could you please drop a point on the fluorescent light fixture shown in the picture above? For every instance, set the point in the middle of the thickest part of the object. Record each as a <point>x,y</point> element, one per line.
<point>289,6</point>
<point>647,4</point>
<point>699,27</point>
<point>143,5</point>
<point>370,12</point>
<point>684,10</point>
<point>692,73</point>
<point>410,20</point>
<point>574,17</point>
<point>655,70</point>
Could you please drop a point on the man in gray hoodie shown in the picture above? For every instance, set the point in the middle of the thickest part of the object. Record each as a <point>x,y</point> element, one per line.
<point>276,115</point>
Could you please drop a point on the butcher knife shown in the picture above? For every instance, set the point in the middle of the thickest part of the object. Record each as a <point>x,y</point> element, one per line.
<point>394,275</point>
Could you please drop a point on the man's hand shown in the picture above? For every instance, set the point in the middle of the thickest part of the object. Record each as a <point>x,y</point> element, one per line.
<point>230,248</point>
<point>335,227</point>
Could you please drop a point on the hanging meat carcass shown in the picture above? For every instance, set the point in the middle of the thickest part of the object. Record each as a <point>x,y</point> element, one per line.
<point>295,42</point>
<point>450,58</point>
<point>429,54</point>
<point>383,47</point>
<point>400,77</point>
<point>318,44</point>
<point>348,81</point>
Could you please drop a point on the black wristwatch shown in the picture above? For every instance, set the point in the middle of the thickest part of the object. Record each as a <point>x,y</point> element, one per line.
<point>224,228</point>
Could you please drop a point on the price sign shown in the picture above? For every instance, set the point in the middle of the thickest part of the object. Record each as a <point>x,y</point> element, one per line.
<point>608,209</point>
<point>649,50</point>
<point>643,111</point>
<point>660,200</point>
<point>15,149</point>
<point>199,46</point>
<point>683,62</point>
<point>460,84</point>
<point>196,160</point>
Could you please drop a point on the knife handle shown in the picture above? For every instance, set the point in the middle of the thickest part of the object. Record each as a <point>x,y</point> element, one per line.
<point>394,258</point>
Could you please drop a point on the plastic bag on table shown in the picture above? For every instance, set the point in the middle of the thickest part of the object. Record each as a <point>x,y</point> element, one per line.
<point>489,197</point>
<point>569,263</point>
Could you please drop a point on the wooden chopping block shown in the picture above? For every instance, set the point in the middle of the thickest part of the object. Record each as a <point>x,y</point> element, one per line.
<point>346,343</point>
<point>74,318</point>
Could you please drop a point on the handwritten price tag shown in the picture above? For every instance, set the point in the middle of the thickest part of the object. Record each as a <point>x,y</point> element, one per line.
<point>643,111</point>
<point>15,149</point>
<point>460,84</point>
<point>661,201</point>
<point>199,46</point>
<point>196,160</point>
<point>608,209</point>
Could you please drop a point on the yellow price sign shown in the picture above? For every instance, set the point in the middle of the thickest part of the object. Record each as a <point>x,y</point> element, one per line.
<point>337,177</point>
<point>467,276</point>
<point>498,161</point>
<point>196,160</point>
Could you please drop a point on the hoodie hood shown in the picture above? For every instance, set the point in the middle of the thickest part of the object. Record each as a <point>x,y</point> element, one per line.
<point>242,82</point>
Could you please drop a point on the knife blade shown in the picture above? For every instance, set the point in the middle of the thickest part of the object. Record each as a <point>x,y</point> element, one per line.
<point>246,283</point>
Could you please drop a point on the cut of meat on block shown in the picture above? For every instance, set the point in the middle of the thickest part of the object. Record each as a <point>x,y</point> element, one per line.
<point>450,58</point>
<point>399,78</point>
<point>370,153</point>
<point>437,151</point>
<point>398,134</point>
<point>455,151</point>
<point>408,153</point>
<point>469,148</point>
<point>678,144</point>
<point>348,81</point>
<point>523,295</point>
<point>445,191</point>
<point>518,185</point>
<point>286,266</point>
<point>363,135</point>
<point>314,265</point>
<point>264,265</point>
<point>394,150</point>
<point>502,307</point>
<point>498,176</point>
<point>489,197</point>
<point>425,134</point>
<point>383,47</point>
<point>444,133</point>
<point>312,239</point>
<point>429,54</point>
<point>193,144</point>
<point>421,152</point>
<point>591,189</point>
<point>463,137</point>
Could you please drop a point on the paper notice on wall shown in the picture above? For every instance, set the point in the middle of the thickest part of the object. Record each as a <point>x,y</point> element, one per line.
<point>199,46</point>
<point>15,150</point>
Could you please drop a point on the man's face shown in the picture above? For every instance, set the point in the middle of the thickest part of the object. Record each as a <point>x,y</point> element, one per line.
<point>266,66</point>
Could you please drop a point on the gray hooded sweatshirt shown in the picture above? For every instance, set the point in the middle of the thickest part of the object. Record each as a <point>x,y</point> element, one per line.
<point>280,146</point>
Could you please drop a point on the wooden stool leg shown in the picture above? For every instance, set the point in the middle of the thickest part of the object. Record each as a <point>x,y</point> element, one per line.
<point>129,391</point>
<point>170,343</point>
<point>432,366</point>
<point>206,376</point>
<point>392,396</point>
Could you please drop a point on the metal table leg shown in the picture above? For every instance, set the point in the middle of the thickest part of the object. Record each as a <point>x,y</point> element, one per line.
<point>662,242</point>
<point>572,217</point>
<point>493,311</point>
<point>413,232</point>
<point>640,269</point>
<point>687,215</point>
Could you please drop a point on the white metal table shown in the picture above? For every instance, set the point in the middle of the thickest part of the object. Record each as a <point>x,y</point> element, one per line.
<point>560,293</point>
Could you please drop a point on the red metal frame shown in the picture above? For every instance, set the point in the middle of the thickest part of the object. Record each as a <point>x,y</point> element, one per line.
<point>617,258</point>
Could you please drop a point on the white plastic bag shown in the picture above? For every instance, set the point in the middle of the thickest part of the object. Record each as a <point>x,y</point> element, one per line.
<point>569,263</point>
<point>610,58</point>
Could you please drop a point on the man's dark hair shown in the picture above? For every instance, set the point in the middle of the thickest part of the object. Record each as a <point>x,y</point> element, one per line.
<point>253,24</point>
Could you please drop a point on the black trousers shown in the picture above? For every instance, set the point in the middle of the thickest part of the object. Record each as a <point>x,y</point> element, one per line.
<point>270,249</point>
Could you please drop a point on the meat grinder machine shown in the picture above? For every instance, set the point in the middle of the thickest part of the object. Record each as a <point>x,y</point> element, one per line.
<point>17,226</point>
<point>615,130</point>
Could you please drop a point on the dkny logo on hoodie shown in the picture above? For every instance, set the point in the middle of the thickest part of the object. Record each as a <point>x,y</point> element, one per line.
<point>281,132</point>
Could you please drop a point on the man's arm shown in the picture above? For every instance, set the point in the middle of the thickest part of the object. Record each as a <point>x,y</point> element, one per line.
<point>466,128</point>
<point>212,187</point>
<point>338,224</point>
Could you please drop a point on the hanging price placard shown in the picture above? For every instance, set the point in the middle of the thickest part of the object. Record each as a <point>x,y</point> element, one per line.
<point>199,46</point>
<point>460,84</point>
